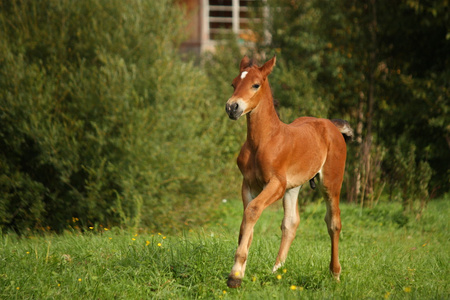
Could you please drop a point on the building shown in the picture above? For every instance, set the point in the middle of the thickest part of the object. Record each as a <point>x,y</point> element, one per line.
<point>209,20</point>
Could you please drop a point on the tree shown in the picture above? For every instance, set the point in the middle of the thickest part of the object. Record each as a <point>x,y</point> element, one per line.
<point>367,61</point>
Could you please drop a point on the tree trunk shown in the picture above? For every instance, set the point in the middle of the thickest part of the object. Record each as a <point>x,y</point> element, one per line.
<point>367,145</point>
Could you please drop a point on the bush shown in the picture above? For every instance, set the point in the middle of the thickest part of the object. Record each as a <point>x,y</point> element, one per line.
<point>100,121</point>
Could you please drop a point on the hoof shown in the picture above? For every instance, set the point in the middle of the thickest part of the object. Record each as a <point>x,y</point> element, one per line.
<point>336,276</point>
<point>336,272</point>
<point>234,282</point>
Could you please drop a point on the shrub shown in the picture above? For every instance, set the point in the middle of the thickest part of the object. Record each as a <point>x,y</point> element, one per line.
<point>99,118</point>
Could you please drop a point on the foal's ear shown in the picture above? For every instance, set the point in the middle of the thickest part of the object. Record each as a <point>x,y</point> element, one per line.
<point>266,69</point>
<point>245,62</point>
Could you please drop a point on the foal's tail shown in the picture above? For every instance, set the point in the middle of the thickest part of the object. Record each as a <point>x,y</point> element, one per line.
<point>344,128</point>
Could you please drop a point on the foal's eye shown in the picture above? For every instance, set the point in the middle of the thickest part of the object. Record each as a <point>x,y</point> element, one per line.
<point>255,86</point>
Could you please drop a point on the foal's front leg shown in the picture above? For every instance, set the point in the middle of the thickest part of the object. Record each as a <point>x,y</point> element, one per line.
<point>289,225</point>
<point>273,191</point>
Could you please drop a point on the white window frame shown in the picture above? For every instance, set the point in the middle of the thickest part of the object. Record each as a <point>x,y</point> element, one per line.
<point>235,20</point>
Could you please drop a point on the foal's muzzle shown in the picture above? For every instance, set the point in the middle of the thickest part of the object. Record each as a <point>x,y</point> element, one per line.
<point>233,110</point>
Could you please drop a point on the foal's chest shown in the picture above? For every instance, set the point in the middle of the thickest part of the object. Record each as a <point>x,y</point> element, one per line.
<point>255,173</point>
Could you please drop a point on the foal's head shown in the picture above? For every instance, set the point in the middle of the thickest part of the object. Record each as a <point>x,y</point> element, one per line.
<point>247,86</point>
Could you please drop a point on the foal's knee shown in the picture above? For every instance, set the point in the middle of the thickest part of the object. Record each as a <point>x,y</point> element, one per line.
<point>333,224</point>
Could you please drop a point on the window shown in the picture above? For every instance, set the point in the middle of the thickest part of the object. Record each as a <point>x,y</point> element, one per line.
<point>226,16</point>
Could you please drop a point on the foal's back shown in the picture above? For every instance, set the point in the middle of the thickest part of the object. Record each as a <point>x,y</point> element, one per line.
<point>312,131</point>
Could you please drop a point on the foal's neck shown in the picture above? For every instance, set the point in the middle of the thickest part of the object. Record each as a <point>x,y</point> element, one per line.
<point>263,121</point>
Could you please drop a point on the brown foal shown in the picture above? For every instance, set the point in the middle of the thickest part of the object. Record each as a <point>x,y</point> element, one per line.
<point>278,158</point>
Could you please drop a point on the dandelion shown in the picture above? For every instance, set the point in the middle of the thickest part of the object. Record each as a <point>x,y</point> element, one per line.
<point>407,289</point>
<point>106,229</point>
<point>424,244</point>
<point>254,278</point>
<point>159,244</point>
<point>79,279</point>
<point>159,233</point>
<point>236,273</point>
<point>224,292</point>
<point>59,284</point>
<point>279,277</point>
<point>293,287</point>
<point>284,270</point>
<point>164,237</point>
<point>17,288</point>
<point>147,243</point>
<point>136,234</point>
<point>110,238</point>
<point>28,252</point>
<point>90,227</point>
<point>300,288</point>
<point>133,239</point>
<point>386,296</point>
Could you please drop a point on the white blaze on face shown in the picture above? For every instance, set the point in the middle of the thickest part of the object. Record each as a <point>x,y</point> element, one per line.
<point>243,74</point>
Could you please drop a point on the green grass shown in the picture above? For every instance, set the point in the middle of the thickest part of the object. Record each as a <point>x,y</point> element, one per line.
<point>383,254</point>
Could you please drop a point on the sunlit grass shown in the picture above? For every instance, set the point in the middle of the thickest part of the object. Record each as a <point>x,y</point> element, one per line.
<point>379,258</point>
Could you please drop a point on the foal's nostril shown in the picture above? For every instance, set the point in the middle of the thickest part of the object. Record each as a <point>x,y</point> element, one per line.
<point>231,107</point>
<point>232,110</point>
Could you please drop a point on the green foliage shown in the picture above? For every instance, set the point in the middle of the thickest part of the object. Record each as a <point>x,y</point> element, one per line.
<point>100,119</point>
<point>361,61</point>
<point>297,46</point>
<point>127,265</point>
<point>412,178</point>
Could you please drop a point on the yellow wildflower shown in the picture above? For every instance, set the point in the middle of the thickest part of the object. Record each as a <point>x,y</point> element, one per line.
<point>386,296</point>
<point>279,276</point>
<point>224,292</point>
<point>90,227</point>
<point>159,244</point>
<point>133,239</point>
<point>284,270</point>
<point>147,243</point>
<point>407,289</point>
<point>79,279</point>
<point>293,287</point>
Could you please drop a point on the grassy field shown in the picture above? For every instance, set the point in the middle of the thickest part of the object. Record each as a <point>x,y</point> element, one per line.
<point>383,255</point>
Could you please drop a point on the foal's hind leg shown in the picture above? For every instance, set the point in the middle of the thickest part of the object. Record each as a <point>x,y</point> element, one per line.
<point>332,182</point>
<point>333,220</point>
<point>289,225</point>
